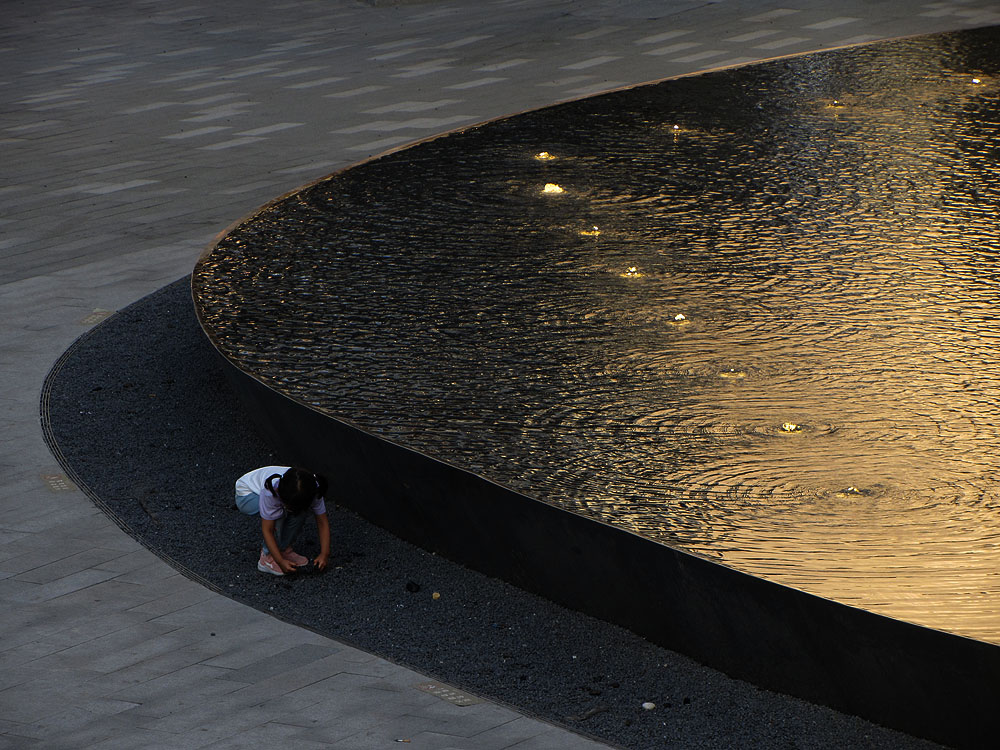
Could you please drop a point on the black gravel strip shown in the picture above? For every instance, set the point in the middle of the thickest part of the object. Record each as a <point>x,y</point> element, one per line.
<point>144,419</point>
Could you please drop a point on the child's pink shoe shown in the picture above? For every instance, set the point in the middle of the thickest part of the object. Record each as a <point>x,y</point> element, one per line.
<point>266,564</point>
<point>294,557</point>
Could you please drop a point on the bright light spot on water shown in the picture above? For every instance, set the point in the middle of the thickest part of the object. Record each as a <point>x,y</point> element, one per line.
<point>679,317</point>
<point>592,232</point>
<point>552,188</point>
<point>631,273</point>
<point>731,373</point>
<point>850,491</point>
<point>790,427</point>
<point>544,156</point>
<point>976,80</point>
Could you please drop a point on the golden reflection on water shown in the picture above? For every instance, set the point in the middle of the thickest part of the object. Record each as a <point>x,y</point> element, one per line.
<point>824,412</point>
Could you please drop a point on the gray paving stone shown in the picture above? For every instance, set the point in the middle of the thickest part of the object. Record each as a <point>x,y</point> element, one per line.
<point>111,593</point>
<point>26,654</point>
<point>280,662</point>
<point>443,741</point>
<point>184,688</point>
<point>154,572</point>
<point>12,676</point>
<point>239,649</point>
<point>34,703</point>
<point>52,516</point>
<point>15,736</point>
<point>23,547</point>
<point>554,741</point>
<point>114,651</point>
<point>408,730</point>
<point>211,609</point>
<point>81,561</point>
<point>471,721</point>
<point>269,734</point>
<point>73,721</point>
<point>128,738</point>
<point>207,724</point>
<point>135,560</point>
<point>172,594</point>
<point>341,694</point>
<point>346,727</point>
<point>78,628</point>
<point>142,671</point>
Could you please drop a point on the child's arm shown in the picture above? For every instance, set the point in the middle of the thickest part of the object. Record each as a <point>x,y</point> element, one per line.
<point>323,527</point>
<point>267,528</point>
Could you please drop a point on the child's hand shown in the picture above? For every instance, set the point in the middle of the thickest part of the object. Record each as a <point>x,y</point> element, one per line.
<point>320,562</point>
<point>286,567</point>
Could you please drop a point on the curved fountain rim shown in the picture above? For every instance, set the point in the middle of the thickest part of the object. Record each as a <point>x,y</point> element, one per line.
<point>245,219</point>
<point>617,529</point>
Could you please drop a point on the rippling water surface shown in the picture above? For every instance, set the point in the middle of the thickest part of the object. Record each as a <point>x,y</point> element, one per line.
<point>754,315</point>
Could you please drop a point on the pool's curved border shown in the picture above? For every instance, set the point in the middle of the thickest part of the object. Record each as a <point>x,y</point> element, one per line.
<point>921,681</point>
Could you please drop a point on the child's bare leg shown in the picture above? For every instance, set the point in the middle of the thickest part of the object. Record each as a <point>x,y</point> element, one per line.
<point>287,530</point>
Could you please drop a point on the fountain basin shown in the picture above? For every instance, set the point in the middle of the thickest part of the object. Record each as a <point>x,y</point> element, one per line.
<point>734,327</point>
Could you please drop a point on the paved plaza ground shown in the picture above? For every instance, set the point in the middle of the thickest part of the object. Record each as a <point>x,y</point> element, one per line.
<point>131,134</point>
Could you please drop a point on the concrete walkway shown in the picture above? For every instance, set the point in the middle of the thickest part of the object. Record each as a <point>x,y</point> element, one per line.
<point>131,133</point>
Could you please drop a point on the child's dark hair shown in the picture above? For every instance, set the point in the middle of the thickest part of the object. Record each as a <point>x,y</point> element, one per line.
<point>298,488</point>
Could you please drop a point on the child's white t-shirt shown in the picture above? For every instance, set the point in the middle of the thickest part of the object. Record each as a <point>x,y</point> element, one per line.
<point>271,508</point>
<point>253,481</point>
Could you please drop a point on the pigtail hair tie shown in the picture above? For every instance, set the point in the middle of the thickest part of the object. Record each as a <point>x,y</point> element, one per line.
<point>321,485</point>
